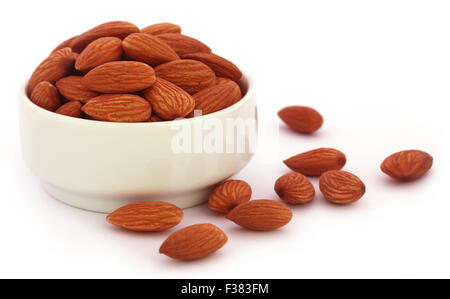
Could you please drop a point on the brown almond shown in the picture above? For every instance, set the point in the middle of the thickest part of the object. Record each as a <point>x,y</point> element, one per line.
<point>262,214</point>
<point>72,89</point>
<point>228,195</point>
<point>194,242</point>
<point>168,100</point>
<point>341,187</point>
<point>120,77</point>
<point>215,98</point>
<point>191,75</point>
<point>294,188</point>
<point>407,165</point>
<point>221,66</point>
<point>183,44</point>
<point>301,119</point>
<point>119,29</point>
<point>118,108</point>
<point>161,28</point>
<point>147,216</point>
<point>102,50</point>
<point>72,109</point>
<point>148,48</point>
<point>59,64</point>
<point>237,89</point>
<point>46,96</point>
<point>316,162</point>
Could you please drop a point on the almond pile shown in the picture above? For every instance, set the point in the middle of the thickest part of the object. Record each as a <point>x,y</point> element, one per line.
<point>117,72</point>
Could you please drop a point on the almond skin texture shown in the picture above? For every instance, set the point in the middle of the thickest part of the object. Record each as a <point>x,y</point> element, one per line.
<point>237,94</point>
<point>155,118</point>
<point>191,75</point>
<point>118,108</point>
<point>194,242</point>
<point>147,216</point>
<point>120,77</point>
<point>215,98</point>
<point>161,28</point>
<point>221,66</point>
<point>341,187</point>
<point>316,162</point>
<point>228,195</point>
<point>46,96</point>
<point>148,48</point>
<point>294,188</point>
<point>118,29</point>
<point>72,109</point>
<point>59,64</point>
<point>301,119</point>
<point>168,100</point>
<point>183,44</point>
<point>104,49</point>
<point>407,165</point>
<point>261,214</point>
<point>73,90</point>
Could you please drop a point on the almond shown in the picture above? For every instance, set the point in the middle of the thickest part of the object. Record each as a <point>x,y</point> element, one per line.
<point>294,188</point>
<point>155,118</point>
<point>194,242</point>
<point>190,75</point>
<point>215,98</point>
<point>64,44</point>
<point>183,44</point>
<point>119,108</point>
<point>118,29</point>
<point>147,216</point>
<point>237,94</point>
<point>407,165</point>
<point>316,162</point>
<point>72,109</point>
<point>301,119</point>
<point>228,195</point>
<point>161,28</point>
<point>221,66</point>
<point>46,96</point>
<point>148,48</point>
<point>341,187</point>
<point>59,64</point>
<point>120,77</point>
<point>72,89</point>
<point>262,214</point>
<point>168,100</point>
<point>102,50</point>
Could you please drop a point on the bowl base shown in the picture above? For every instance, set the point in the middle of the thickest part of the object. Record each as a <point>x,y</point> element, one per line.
<point>103,204</point>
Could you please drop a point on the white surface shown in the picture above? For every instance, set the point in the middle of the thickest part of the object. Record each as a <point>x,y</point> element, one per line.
<point>378,71</point>
<point>101,166</point>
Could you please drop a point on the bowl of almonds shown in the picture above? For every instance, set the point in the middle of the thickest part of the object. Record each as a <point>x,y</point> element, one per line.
<point>119,114</point>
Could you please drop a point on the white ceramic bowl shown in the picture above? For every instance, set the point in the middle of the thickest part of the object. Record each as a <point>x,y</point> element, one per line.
<point>100,166</point>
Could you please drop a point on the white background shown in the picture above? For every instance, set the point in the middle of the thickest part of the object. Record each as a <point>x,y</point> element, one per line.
<point>378,71</point>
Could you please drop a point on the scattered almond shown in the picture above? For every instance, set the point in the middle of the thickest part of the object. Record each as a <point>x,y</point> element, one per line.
<point>301,119</point>
<point>72,89</point>
<point>194,242</point>
<point>161,28</point>
<point>262,214</point>
<point>46,96</point>
<point>118,108</point>
<point>341,187</point>
<point>183,44</point>
<point>228,195</point>
<point>104,49</point>
<point>147,216</point>
<point>221,66</point>
<point>407,165</point>
<point>148,48</point>
<point>191,75</point>
<point>72,109</point>
<point>316,162</point>
<point>294,188</point>
<point>120,77</point>
<point>168,100</point>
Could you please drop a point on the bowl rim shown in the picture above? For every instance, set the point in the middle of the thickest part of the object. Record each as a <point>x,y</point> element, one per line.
<point>58,117</point>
